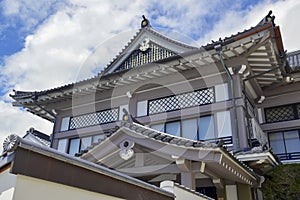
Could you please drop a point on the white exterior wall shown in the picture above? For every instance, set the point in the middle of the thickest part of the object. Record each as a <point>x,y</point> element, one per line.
<point>7,185</point>
<point>37,189</point>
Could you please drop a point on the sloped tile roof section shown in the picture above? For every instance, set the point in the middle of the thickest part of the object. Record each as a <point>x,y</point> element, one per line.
<point>163,141</point>
<point>153,134</point>
<point>39,161</point>
<point>37,136</point>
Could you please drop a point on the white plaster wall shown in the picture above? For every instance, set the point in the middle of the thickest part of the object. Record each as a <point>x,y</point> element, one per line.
<point>7,185</point>
<point>36,189</point>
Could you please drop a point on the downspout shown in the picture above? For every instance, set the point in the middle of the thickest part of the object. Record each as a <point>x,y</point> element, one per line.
<point>218,48</point>
<point>35,98</point>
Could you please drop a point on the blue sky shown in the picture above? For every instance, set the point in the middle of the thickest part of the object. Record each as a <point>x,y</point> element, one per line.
<point>44,43</point>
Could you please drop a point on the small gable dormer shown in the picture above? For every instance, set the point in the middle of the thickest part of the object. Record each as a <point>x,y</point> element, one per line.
<point>147,46</point>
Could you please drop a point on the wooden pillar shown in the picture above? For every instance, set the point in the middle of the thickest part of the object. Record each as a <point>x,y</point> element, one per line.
<point>188,180</point>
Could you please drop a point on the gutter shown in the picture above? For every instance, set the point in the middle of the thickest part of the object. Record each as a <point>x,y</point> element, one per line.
<point>218,48</point>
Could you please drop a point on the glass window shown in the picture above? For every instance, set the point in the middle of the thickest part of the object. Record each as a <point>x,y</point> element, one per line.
<point>158,127</point>
<point>173,128</point>
<point>292,141</point>
<point>277,142</point>
<point>206,128</point>
<point>85,142</point>
<point>142,107</point>
<point>62,145</point>
<point>224,124</point>
<point>65,124</point>
<point>190,129</point>
<point>221,92</point>
<point>74,146</point>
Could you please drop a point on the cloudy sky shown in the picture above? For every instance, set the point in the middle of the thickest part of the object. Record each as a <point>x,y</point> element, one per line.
<point>45,43</point>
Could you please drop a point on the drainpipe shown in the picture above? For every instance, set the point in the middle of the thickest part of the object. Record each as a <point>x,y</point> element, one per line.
<point>218,48</point>
<point>35,98</point>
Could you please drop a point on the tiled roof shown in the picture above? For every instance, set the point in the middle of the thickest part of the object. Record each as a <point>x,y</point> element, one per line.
<point>227,40</point>
<point>39,136</point>
<point>168,139</point>
<point>53,153</point>
<point>156,135</point>
<point>151,30</point>
<point>193,191</point>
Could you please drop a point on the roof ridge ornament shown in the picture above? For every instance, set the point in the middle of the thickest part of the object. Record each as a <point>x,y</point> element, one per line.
<point>145,22</point>
<point>267,19</point>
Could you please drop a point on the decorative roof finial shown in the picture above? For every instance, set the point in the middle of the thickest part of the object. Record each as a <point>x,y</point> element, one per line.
<point>145,22</point>
<point>268,19</point>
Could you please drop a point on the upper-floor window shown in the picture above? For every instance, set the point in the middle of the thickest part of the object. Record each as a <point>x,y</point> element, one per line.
<point>282,113</point>
<point>78,144</point>
<point>205,128</point>
<point>195,128</point>
<point>286,144</point>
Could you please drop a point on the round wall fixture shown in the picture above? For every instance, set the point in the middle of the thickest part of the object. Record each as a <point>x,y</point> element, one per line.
<point>11,143</point>
<point>126,153</point>
<point>126,144</point>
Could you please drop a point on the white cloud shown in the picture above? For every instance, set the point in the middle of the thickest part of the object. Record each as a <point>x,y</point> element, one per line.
<point>14,121</point>
<point>56,51</point>
<point>29,13</point>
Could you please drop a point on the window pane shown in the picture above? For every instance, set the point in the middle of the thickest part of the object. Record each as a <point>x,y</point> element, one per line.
<point>292,141</point>
<point>62,145</point>
<point>206,128</point>
<point>173,128</point>
<point>142,107</point>
<point>224,124</point>
<point>85,142</point>
<point>158,127</point>
<point>74,146</point>
<point>65,124</point>
<point>189,129</point>
<point>276,142</point>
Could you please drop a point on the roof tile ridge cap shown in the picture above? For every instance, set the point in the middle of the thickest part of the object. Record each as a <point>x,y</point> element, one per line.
<point>150,29</point>
<point>226,38</point>
<point>193,191</point>
<point>174,136</point>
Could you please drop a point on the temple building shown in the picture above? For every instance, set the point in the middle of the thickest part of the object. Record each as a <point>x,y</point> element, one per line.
<point>214,118</point>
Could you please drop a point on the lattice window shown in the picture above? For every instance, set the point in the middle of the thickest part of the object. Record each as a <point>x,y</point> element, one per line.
<point>92,119</point>
<point>282,113</point>
<point>186,100</point>
<point>298,110</point>
<point>139,57</point>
